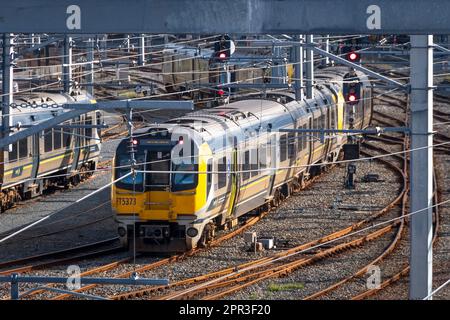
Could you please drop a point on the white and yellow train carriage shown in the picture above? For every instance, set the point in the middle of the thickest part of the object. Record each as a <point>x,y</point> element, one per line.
<point>242,162</point>
<point>52,157</point>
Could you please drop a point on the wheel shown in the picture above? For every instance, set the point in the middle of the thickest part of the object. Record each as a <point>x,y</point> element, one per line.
<point>276,198</point>
<point>75,180</point>
<point>207,235</point>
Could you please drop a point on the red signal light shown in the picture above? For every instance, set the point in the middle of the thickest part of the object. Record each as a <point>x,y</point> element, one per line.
<point>135,142</point>
<point>352,97</point>
<point>220,92</point>
<point>222,55</point>
<point>353,57</point>
<point>180,140</point>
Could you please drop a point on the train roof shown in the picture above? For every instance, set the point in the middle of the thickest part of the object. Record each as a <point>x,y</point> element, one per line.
<point>40,106</point>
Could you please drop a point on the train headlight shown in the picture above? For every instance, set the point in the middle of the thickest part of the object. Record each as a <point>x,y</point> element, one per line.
<point>122,231</point>
<point>192,232</point>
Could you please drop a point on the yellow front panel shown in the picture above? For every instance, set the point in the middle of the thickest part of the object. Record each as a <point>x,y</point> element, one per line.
<point>164,205</point>
<point>340,110</point>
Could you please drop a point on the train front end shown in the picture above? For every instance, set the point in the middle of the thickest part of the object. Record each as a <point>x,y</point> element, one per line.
<point>158,201</point>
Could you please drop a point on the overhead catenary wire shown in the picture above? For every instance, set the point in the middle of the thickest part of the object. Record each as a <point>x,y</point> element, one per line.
<point>128,68</point>
<point>52,214</point>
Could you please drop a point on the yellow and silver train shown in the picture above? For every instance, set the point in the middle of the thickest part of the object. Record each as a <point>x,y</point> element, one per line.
<point>57,156</point>
<point>238,162</point>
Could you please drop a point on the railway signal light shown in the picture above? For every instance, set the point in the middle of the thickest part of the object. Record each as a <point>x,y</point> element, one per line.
<point>353,95</point>
<point>224,48</point>
<point>352,88</point>
<point>353,57</point>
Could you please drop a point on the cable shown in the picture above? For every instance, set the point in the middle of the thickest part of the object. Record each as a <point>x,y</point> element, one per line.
<point>428,297</point>
<point>249,268</point>
<point>52,214</point>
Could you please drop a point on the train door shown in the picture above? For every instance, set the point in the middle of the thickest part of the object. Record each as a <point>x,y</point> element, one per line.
<point>36,157</point>
<point>272,156</point>
<point>310,143</point>
<point>234,181</point>
<point>157,183</point>
<point>328,142</point>
<point>76,146</point>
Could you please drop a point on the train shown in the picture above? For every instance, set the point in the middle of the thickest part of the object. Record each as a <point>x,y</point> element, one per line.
<point>176,183</point>
<point>56,157</point>
<point>196,73</point>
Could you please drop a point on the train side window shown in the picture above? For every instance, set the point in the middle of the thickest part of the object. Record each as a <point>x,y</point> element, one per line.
<point>291,145</point>
<point>23,148</point>
<point>300,137</point>
<point>48,140</point>
<point>314,126</point>
<point>88,131</point>
<point>57,138</point>
<point>254,163</point>
<point>283,148</point>
<point>333,117</point>
<point>305,138</point>
<point>12,155</point>
<point>67,135</point>
<point>263,156</point>
<point>246,166</point>
<point>222,175</point>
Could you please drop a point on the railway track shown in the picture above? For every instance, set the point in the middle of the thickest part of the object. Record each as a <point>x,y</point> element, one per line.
<point>395,243</point>
<point>404,271</point>
<point>60,256</point>
<point>111,266</point>
<point>229,280</point>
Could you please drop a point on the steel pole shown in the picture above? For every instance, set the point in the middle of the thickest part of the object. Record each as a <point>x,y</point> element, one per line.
<point>7,82</point>
<point>298,69</point>
<point>421,259</point>
<point>309,67</point>
<point>67,64</point>
<point>325,61</point>
<point>142,50</point>
<point>90,68</point>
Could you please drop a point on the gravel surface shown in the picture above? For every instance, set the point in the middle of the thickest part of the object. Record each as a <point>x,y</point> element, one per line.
<point>323,208</point>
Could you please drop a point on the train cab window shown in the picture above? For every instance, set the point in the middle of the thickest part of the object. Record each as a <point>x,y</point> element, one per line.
<point>183,180</point>
<point>283,148</point>
<point>48,140</point>
<point>23,148</point>
<point>246,166</point>
<point>291,145</point>
<point>57,140</point>
<point>12,155</point>
<point>222,175</point>
<point>123,168</point>
<point>254,163</point>
<point>67,137</point>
